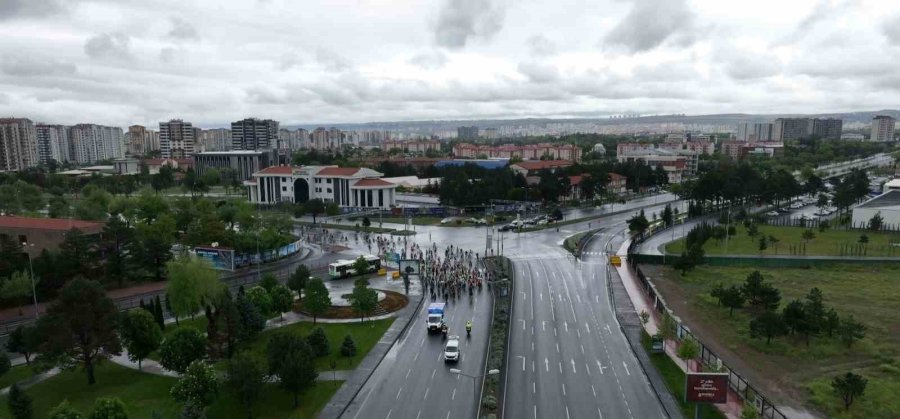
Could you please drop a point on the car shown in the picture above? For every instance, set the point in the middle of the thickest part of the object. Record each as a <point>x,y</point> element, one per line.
<point>773,213</point>
<point>783,210</point>
<point>447,220</point>
<point>451,350</point>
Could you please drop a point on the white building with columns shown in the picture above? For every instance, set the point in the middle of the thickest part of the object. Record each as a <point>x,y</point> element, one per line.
<point>349,187</point>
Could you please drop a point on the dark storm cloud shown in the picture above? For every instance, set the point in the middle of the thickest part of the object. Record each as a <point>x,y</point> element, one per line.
<point>10,9</point>
<point>891,30</point>
<point>108,46</point>
<point>651,22</point>
<point>36,67</point>
<point>182,30</point>
<point>461,20</point>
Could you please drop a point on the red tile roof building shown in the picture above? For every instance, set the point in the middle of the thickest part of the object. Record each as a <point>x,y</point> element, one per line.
<point>43,233</point>
<point>525,152</point>
<point>352,187</point>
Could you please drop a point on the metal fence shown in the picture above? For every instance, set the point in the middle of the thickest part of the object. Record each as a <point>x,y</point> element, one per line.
<point>739,384</point>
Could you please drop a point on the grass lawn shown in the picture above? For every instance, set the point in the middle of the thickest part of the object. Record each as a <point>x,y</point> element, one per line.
<point>674,378</point>
<point>870,293</point>
<point>275,403</point>
<point>145,393</point>
<point>15,374</point>
<point>366,335</point>
<point>828,243</point>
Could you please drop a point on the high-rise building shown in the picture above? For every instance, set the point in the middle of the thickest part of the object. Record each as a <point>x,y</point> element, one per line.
<point>752,132</point>
<point>218,139</point>
<point>882,128</point>
<point>785,129</point>
<point>92,143</point>
<point>176,139</point>
<point>827,128</point>
<point>254,134</point>
<point>53,143</point>
<point>467,133</point>
<point>141,140</point>
<point>18,144</point>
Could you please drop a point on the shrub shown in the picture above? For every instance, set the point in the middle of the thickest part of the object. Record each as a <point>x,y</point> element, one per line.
<point>319,342</point>
<point>348,348</point>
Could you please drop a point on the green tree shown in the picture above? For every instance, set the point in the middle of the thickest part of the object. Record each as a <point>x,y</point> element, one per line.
<point>832,321</point>
<point>298,280</point>
<point>318,341</point>
<point>116,237</point>
<point>19,403</point>
<point>361,266</point>
<point>363,300</point>
<point>108,408</point>
<point>638,224</point>
<point>80,327</point>
<point>684,263</point>
<point>24,340</point>
<point>65,411</point>
<point>366,222</point>
<point>317,300</point>
<point>876,222</point>
<point>763,244</point>
<point>184,346</point>
<point>140,334</point>
<point>17,288</point>
<point>769,324</point>
<point>667,217</point>
<point>192,281</point>
<point>268,282</point>
<point>332,209</point>
<point>796,319</point>
<point>314,207</point>
<point>199,385</point>
<point>688,351</point>
<point>59,207</point>
<point>261,299</point>
<point>282,300</point>
<point>246,376</point>
<point>814,310</point>
<point>252,320</point>
<point>5,363</point>
<point>851,330</point>
<point>748,411</point>
<point>348,347</point>
<point>808,235</point>
<point>152,246</point>
<point>291,360</point>
<point>733,298</point>
<point>849,387</point>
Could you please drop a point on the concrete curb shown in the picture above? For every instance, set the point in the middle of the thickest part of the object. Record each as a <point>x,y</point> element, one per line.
<point>355,382</point>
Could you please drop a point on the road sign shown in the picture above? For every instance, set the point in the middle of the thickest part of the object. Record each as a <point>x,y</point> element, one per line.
<point>615,260</point>
<point>706,387</point>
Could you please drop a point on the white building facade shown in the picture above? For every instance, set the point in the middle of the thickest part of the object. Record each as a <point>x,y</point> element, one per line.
<point>882,128</point>
<point>92,143</point>
<point>349,187</point>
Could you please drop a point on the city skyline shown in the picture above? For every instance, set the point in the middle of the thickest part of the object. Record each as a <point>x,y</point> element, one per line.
<point>119,63</point>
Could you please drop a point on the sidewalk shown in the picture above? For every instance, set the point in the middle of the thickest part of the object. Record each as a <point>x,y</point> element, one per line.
<point>641,302</point>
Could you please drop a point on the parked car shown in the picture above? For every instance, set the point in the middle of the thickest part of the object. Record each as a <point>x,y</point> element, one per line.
<point>773,213</point>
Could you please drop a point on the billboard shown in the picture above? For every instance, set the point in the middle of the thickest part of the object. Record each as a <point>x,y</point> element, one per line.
<point>220,258</point>
<point>706,387</point>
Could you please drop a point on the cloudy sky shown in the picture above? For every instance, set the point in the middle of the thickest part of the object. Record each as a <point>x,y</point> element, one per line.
<point>123,62</point>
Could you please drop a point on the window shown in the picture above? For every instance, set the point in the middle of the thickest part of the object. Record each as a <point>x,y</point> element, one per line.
<point>328,190</point>
<point>284,189</point>
<point>328,180</point>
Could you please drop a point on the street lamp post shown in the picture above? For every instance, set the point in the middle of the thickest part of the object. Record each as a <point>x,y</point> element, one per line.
<point>25,246</point>
<point>474,378</point>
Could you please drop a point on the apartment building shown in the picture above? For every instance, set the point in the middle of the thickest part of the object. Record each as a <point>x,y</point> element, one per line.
<point>176,139</point>
<point>92,143</point>
<point>53,143</point>
<point>18,144</point>
<point>142,141</point>
<point>254,134</point>
<point>882,128</point>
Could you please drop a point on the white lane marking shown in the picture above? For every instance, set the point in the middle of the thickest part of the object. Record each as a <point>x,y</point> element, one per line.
<point>594,390</point>
<point>573,366</point>
<point>600,413</point>
<point>432,373</point>
<point>398,393</point>
<point>532,365</point>
<point>542,296</point>
<point>523,323</point>
<point>407,372</point>
<point>566,325</point>
<point>418,414</point>
<point>546,365</point>
<point>453,396</point>
<point>448,414</point>
<point>600,367</point>
<point>608,329</point>
<point>533,388</point>
<point>567,412</point>
<point>554,331</point>
<point>535,411</point>
<point>543,325</point>
<point>426,393</point>
<point>587,368</point>
<point>579,333</point>
<point>564,389</point>
<point>582,349</point>
<point>557,348</point>
<point>523,361</point>
<point>560,367</point>
<point>417,357</point>
<point>389,414</point>
<point>626,367</point>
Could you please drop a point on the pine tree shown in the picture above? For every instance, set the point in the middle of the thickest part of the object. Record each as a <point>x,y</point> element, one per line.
<point>19,403</point>
<point>158,314</point>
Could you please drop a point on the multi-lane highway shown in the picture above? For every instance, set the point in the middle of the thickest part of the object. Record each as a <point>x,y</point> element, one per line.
<point>568,357</point>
